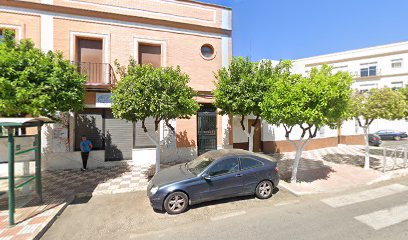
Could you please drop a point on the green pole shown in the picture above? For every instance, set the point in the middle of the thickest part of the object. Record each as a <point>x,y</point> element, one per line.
<point>38,185</point>
<point>11,197</point>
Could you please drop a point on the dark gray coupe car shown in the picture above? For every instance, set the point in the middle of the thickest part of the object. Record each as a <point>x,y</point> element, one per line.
<point>213,175</point>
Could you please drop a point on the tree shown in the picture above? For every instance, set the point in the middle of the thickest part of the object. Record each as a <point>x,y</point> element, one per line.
<point>240,89</point>
<point>36,83</point>
<point>382,103</point>
<point>311,102</point>
<point>147,92</point>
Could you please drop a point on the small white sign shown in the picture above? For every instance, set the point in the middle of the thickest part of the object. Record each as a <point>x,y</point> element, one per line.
<point>103,100</point>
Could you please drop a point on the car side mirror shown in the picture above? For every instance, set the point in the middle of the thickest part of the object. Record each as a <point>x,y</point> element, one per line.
<point>206,176</point>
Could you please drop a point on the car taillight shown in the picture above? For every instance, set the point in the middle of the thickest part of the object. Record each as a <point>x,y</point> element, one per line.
<point>375,139</point>
<point>277,169</point>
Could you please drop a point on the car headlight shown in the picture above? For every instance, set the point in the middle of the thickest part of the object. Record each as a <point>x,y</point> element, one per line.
<point>154,189</point>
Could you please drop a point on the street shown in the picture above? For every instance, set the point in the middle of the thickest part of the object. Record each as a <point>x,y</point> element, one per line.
<point>377,211</point>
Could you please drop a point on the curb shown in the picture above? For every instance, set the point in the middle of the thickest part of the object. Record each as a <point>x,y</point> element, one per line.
<point>47,226</point>
<point>289,189</point>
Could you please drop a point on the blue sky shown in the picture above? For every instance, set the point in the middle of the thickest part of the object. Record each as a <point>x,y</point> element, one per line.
<point>291,29</point>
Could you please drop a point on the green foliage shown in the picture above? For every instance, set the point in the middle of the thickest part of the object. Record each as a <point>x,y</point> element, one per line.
<point>36,83</point>
<point>240,87</point>
<point>383,103</point>
<point>316,100</point>
<point>145,91</point>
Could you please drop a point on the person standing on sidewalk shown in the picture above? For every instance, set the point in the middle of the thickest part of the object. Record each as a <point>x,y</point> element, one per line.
<point>86,147</point>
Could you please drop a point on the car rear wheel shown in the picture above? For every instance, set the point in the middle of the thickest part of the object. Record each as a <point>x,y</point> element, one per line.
<point>264,189</point>
<point>176,203</point>
<point>397,138</point>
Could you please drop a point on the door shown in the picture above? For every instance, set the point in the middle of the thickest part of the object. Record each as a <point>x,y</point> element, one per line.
<point>257,134</point>
<point>225,179</point>
<point>118,138</point>
<point>90,59</point>
<point>206,129</point>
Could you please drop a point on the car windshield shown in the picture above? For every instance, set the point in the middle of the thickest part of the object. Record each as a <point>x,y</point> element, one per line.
<point>199,164</point>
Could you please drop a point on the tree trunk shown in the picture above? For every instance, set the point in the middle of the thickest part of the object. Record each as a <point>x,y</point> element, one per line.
<point>299,150</point>
<point>367,149</point>
<point>250,139</point>
<point>156,141</point>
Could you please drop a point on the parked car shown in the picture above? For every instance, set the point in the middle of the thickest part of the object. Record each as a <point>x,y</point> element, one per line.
<point>213,175</point>
<point>391,134</point>
<point>374,140</point>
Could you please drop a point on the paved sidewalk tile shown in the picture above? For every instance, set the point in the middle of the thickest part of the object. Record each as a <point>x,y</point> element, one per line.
<point>60,187</point>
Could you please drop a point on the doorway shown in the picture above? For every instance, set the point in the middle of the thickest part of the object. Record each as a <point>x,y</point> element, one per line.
<point>206,129</point>
<point>90,59</point>
<point>257,134</point>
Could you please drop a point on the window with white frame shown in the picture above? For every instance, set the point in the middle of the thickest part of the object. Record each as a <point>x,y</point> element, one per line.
<point>368,69</point>
<point>342,68</point>
<point>2,31</point>
<point>396,63</point>
<point>397,85</point>
<point>366,87</point>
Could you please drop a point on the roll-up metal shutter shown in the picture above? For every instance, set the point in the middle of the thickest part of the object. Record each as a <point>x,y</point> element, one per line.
<point>118,138</point>
<point>89,122</point>
<point>141,139</point>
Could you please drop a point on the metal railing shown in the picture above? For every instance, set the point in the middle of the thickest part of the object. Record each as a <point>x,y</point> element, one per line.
<point>394,158</point>
<point>97,73</point>
<point>357,74</point>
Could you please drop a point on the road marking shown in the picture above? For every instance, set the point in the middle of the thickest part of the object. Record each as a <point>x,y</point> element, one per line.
<point>365,195</point>
<point>287,203</point>
<point>385,218</point>
<point>228,215</point>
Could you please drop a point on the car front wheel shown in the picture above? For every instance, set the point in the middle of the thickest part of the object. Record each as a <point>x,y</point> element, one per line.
<point>397,138</point>
<point>176,203</point>
<point>264,189</point>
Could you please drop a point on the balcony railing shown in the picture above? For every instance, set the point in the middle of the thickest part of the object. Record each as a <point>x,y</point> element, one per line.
<point>97,73</point>
<point>369,73</point>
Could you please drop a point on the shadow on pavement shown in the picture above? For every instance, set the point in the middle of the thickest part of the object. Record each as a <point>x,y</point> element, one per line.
<point>309,170</point>
<point>354,160</point>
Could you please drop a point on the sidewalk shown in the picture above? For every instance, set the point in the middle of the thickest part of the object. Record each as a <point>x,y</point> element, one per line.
<point>336,169</point>
<point>60,188</point>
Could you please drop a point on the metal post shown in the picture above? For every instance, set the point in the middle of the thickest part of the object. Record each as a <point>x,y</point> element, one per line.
<point>11,197</point>
<point>384,158</point>
<point>405,157</point>
<point>38,185</point>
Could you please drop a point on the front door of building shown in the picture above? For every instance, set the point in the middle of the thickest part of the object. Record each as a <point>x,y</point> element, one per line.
<point>206,129</point>
<point>257,134</point>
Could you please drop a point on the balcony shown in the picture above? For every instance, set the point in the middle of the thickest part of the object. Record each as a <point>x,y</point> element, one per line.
<point>366,73</point>
<point>98,75</point>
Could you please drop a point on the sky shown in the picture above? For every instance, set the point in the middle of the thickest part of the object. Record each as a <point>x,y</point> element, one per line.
<point>293,29</point>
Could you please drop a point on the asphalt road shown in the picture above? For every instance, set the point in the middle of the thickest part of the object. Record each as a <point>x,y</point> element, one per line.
<point>372,212</point>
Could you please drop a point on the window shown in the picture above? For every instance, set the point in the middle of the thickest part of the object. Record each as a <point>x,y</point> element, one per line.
<point>396,63</point>
<point>226,166</point>
<point>247,163</point>
<point>397,85</point>
<point>342,68</point>
<point>150,54</point>
<point>366,87</point>
<point>321,131</point>
<point>2,30</point>
<point>207,51</point>
<point>368,69</point>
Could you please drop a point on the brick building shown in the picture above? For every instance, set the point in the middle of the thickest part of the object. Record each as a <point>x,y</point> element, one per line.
<point>93,34</point>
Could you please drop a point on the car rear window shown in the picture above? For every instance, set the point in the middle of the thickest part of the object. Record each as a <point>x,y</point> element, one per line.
<point>247,163</point>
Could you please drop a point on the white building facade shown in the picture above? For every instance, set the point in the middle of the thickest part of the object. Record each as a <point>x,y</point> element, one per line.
<point>373,67</point>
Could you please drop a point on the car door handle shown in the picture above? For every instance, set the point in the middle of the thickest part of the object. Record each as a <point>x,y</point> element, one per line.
<point>238,175</point>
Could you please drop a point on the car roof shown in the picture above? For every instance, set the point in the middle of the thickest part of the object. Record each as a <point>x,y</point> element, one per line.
<point>236,152</point>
